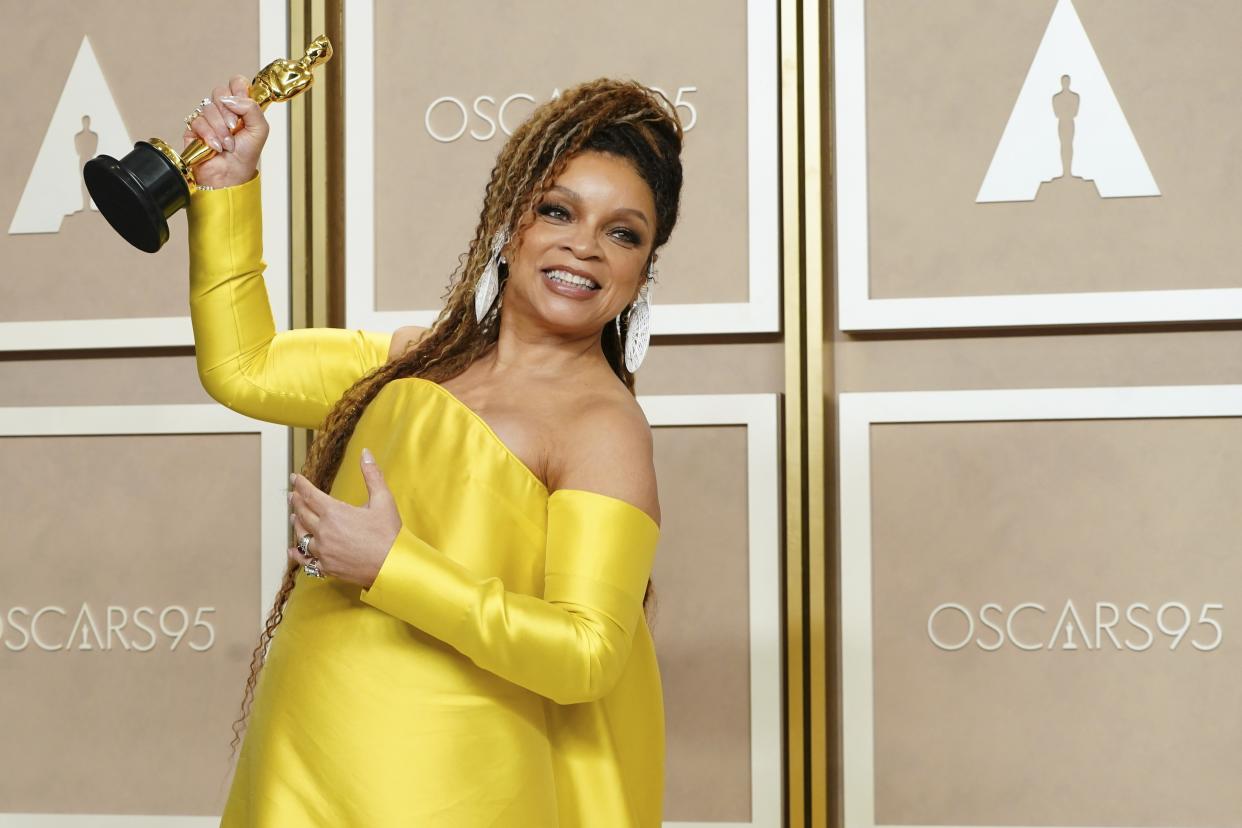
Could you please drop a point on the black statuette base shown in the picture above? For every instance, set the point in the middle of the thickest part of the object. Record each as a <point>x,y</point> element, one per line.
<point>137,194</point>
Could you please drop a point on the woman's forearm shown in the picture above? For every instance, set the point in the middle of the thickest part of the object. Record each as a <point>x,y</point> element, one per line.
<point>572,644</point>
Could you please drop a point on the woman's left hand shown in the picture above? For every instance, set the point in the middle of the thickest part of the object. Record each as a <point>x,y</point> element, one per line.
<point>350,542</point>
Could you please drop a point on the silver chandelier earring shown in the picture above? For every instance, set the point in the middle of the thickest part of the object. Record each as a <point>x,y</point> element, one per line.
<point>489,283</point>
<point>638,324</point>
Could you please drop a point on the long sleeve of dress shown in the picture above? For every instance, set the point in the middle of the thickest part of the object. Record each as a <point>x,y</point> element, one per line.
<point>293,377</point>
<point>571,645</point>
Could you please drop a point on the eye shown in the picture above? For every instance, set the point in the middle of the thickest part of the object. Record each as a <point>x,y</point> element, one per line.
<point>626,235</point>
<point>553,210</point>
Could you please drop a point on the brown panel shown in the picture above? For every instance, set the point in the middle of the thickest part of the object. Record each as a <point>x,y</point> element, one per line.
<point>126,521</point>
<point>158,59</point>
<point>164,377</point>
<point>711,365</point>
<point>701,621</point>
<point>469,49</point>
<point>992,361</point>
<point>942,79</point>
<point>1094,511</point>
<point>672,366</point>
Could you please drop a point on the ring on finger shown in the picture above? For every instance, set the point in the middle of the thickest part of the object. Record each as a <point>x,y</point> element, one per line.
<point>198,110</point>
<point>304,543</point>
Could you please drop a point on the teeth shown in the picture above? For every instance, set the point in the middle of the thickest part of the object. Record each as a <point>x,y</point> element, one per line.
<point>571,278</point>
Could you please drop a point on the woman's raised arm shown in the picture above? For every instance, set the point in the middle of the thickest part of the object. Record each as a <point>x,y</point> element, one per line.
<point>292,377</point>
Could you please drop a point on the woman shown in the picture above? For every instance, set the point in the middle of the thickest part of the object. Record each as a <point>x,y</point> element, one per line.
<point>462,638</point>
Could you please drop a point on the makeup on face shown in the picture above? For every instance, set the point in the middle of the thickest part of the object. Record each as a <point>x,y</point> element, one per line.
<point>590,235</point>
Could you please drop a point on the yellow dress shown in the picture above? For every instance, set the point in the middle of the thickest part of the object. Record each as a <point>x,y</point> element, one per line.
<point>499,671</point>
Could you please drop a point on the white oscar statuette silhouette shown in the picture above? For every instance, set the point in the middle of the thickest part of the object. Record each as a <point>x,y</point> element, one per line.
<point>1083,136</point>
<point>1069,637</point>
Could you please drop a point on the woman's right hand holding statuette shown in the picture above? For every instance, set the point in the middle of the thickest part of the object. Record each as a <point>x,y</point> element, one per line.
<point>235,127</point>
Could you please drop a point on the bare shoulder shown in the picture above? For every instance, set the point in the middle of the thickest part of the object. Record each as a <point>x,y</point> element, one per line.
<point>404,338</point>
<point>607,449</point>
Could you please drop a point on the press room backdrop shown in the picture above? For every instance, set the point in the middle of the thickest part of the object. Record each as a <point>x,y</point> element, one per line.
<point>144,525</point>
<point>1037,378</point>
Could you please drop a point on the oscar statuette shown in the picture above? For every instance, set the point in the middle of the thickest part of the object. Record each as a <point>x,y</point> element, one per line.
<point>139,193</point>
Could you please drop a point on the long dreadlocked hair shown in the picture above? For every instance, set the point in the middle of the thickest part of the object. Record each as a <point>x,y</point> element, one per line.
<point>622,118</point>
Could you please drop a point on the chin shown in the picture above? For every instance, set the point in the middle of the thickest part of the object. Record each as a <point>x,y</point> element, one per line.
<point>567,318</point>
<point>576,325</point>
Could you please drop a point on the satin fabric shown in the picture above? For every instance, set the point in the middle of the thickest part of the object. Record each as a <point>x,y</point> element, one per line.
<point>499,671</point>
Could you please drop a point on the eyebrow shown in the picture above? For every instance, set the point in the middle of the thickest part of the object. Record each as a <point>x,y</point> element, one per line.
<point>623,210</point>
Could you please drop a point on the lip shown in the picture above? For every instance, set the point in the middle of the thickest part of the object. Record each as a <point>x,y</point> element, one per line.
<point>576,292</point>
<point>575,271</point>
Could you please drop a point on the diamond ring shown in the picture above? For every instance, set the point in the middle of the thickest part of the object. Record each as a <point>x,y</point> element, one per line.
<point>198,110</point>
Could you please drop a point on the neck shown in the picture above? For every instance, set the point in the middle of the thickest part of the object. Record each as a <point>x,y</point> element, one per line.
<point>530,350</point>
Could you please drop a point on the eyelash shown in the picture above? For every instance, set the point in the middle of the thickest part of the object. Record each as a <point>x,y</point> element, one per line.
<point>549,210</point>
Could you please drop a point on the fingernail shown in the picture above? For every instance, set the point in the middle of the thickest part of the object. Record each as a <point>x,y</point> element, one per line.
<point>228,142</point>
<point>290,497</point>
<point>231,120</point>
<point>291,519</point>
<point>293,477</point>
<point>214,143</point>
<point>366,456</point>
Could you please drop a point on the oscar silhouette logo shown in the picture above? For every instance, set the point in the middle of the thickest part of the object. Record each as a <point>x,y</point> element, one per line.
<point>85,143</point>
<point>1082,137</point>
<point>85,121</point>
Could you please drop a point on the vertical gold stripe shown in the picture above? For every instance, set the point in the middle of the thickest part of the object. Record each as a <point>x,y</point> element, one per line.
<point>299,226</point>
<point>791,255</point>
<point>300,257</point>
<point>317,166</point>
<point>818,633</point>
<point>315,195</point>
<point>330,146</point>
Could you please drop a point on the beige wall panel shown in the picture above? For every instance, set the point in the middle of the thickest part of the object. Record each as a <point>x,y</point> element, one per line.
<point>1119,511</point>
<point>711,365</point>
<point>431,191</point>
<point>96,380</point>
<point>158,59</point>
<point>701,621</point>
<point>95,520</point>
<point>706,365</point>
<point>1133,358</point>
<point>942,78</point>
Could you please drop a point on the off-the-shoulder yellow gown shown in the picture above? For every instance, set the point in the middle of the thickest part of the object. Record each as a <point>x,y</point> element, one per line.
<point>500,671</point>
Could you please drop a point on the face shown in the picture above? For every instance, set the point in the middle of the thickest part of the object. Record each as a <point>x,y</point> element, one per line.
<point>584,252</point>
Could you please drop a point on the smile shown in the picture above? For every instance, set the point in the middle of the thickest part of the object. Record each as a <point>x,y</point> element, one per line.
<point>572,280</point>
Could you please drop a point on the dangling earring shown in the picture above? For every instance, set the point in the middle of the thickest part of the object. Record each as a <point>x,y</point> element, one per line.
<point>638,324</point>
<point>489,283</point>
<point>491,314</point>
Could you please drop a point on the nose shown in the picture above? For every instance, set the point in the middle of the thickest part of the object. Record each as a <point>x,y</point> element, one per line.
<point>580,239</point>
